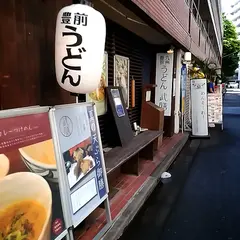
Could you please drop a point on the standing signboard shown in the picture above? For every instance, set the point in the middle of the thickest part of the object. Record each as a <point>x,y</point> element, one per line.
<point>30,188</point>
<point>215,114</point>
<point>199,108</point>
<point>78,144</point>
<point>164,82</point>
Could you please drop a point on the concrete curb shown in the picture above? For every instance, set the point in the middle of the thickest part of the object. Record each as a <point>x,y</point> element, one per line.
<point>136,202</point>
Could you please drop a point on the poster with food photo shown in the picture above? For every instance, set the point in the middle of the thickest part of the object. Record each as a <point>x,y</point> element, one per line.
<point>79,161</point>
<point>30,203</point>
<point>98,96</point>
<point>121,76</point>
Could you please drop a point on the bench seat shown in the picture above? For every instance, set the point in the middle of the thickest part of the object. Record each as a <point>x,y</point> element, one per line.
<point>128,157</point>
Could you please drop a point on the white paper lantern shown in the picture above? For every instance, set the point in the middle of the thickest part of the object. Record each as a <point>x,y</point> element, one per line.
<point>79,48</point>
<point>187,56</point>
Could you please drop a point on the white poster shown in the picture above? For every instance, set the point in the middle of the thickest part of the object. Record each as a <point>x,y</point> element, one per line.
<point>215,106</point>
<point>199,107</point>
<point>164,78</point>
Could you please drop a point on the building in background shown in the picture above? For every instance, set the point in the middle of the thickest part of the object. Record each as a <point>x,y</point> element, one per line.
<point>233,14</point>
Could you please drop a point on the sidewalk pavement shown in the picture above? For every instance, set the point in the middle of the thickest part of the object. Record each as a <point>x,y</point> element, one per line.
<point>133,191</point>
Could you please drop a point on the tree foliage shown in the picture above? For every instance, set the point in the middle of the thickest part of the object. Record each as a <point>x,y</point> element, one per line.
<point>231,48</point>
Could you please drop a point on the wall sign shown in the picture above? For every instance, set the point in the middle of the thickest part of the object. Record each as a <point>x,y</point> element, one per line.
<point>29,177</point>
<point>80,151</point>
<point>164,82</point>
<point>118,102</point>
<point>78,54</point>
<point>199,107</point>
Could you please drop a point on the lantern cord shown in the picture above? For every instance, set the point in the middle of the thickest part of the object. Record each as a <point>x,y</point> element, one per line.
<point>125,16</point>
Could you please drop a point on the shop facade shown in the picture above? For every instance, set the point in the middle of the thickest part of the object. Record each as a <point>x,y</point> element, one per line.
<point>137,33</point>
<point>28,38</point>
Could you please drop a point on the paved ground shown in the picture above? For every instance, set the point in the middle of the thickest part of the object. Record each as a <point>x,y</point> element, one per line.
<point>208,206</point>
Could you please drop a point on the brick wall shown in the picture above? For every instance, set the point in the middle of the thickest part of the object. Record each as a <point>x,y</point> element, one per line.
<point>173,17</point>
<point>164,13</point>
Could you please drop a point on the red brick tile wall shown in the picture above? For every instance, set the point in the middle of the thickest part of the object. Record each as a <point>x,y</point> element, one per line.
<point>161,11</point>
<point>202,43</point>
<point>180,10</point>
<point>194,31</point>
<point>173,17</point>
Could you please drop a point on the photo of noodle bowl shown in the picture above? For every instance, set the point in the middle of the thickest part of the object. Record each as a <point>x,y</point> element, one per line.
<point>25,207</point>
<point>29,181</point>
<point>40,159</point>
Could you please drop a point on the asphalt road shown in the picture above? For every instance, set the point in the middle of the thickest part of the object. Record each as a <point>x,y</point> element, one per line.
<point>208,204</point>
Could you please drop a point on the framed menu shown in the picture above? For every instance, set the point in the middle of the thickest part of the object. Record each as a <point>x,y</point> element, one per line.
<point>79,149</point>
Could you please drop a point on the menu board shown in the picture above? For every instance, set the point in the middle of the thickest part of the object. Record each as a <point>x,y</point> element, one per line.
<point>77,136</point>
<point>215,108</point>
<point>30,202</point>
<point>199,107</point>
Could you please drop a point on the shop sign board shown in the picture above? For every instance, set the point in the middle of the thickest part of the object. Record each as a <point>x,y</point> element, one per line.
<point>199,102</point>
<point>77,137</point>
<point>164,82</point>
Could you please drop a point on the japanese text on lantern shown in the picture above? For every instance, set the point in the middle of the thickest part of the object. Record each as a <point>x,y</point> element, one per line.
<point>97,153</point>
<point>163,98</point>
<point>74,50</point>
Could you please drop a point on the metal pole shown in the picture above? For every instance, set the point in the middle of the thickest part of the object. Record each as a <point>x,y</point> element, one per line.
<point>77,100</point>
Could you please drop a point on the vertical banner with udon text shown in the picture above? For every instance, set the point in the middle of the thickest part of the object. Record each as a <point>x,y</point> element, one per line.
<point>164,82</point>
<point>30,203</point>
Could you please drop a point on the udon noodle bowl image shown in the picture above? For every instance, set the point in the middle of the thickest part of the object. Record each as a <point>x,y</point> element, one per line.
<point>25,207</point>
<point>40,158</point>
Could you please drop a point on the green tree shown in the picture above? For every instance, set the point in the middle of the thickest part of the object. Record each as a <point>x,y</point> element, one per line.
<point>231,48</point>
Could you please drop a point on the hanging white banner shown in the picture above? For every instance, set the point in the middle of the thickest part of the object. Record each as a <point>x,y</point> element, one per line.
<point>164,79</point>
<point>199,107</point>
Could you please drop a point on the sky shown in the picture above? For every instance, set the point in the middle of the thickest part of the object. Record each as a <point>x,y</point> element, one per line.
<point>226,5</point>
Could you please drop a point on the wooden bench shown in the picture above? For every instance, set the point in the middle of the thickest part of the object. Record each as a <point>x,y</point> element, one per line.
<point>141,146</point>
